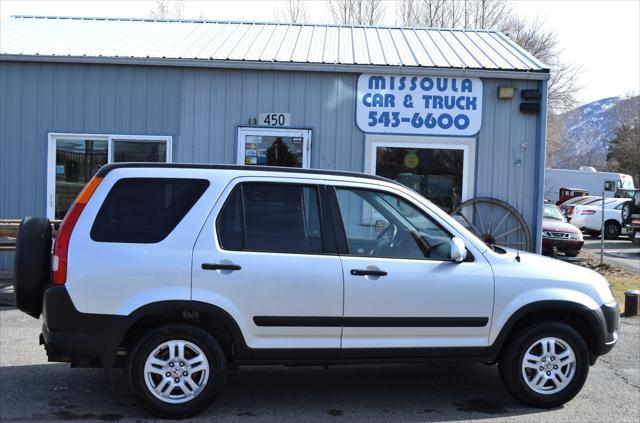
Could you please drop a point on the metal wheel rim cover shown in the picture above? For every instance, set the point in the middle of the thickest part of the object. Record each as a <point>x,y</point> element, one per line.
<point>176,371</point>
<point>548,366</point>
<point>611,228</point>
<point>492,229</point>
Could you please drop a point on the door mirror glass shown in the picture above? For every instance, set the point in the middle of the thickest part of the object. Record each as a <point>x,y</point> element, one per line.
<point>458,250</point>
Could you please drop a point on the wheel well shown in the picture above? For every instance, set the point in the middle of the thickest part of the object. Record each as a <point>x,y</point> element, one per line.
<point>210,323</point>
<point>575,319</point>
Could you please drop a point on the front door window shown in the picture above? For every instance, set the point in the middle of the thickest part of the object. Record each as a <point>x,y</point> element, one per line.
<point>379,224</point>
<point>273,147</point>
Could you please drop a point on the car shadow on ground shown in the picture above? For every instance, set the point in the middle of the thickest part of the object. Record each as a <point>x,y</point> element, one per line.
<point>434,392</point>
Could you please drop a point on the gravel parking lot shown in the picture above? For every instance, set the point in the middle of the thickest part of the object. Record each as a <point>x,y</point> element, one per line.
<point>619,252</point>
<point>32,389</point>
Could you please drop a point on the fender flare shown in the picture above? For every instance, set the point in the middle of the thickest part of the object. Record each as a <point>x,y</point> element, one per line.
<point>594,318</point>
<point>173,306</point>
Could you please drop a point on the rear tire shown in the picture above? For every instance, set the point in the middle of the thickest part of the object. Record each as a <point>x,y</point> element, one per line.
<point>176,371</point>
<point>572,253</point>
<point>32,264</point>
<point>536,382</point>
<point>612,229</point>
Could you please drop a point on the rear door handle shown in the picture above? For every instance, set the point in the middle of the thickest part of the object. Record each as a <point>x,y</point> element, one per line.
<point>367,272</point>
<point>217,266</point>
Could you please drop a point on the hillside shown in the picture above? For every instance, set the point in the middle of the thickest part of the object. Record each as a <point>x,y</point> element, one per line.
<point>588,130</point>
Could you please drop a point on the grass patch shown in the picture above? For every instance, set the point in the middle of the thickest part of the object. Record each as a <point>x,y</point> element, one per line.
<point>619,284</point>
<point>620,280</point>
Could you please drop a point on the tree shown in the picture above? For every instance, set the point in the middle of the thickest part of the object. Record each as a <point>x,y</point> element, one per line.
<point>173,9</point>
<point>623,153</point>
<point>453,13</point>
<point>357,12</point>
<point>293,11</point>
<point>497,14</point>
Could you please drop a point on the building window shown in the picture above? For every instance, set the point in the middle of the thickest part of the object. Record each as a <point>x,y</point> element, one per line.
<point>74,158</point>
<point>440,169</point>
<point>274,146</point>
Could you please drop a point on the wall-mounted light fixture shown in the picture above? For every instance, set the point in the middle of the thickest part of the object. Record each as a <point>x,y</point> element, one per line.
<point>506,93</point>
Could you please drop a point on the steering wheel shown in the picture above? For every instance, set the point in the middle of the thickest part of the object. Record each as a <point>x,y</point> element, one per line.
<point>387,238</point>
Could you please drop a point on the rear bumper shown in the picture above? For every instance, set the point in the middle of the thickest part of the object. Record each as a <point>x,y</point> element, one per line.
<point>68,334</point>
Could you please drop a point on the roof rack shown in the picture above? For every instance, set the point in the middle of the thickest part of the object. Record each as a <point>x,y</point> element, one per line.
<point>104,170</point>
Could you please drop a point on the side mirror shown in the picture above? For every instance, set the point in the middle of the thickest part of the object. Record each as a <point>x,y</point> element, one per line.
<point>458,250</point>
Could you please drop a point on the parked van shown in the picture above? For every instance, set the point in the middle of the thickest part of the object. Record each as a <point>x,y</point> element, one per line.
<point>589,180</point>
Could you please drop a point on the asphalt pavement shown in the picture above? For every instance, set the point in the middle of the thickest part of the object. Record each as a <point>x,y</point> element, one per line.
<point>619,252</point>
<point>33,390</point>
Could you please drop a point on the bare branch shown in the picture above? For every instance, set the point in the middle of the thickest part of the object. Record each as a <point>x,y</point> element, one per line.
<point>357,12</point>
<point>293,11</point>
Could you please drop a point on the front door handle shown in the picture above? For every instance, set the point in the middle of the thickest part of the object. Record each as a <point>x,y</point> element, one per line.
<point>218,266</point>
<point>367,272</point>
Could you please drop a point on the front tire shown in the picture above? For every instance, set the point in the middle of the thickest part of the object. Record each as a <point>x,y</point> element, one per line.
<point>546,365</point>
<point>176,371</point>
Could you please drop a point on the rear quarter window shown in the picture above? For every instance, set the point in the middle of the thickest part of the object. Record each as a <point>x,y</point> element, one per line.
<point>145,210</point>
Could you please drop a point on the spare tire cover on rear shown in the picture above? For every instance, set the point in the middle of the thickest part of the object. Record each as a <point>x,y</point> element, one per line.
<point>32,264</point>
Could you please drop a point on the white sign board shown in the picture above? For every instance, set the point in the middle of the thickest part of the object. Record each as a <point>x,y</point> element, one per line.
<point>421,105</point>
<point>274,119</point>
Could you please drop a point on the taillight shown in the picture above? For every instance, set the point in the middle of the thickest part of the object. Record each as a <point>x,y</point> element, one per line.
<point>588,212</point>
<point>61,244</point>
<point>635,221</point>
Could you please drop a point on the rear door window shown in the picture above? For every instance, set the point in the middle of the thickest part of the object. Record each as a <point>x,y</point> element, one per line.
<point>271,217</point>
<point>145,210</point>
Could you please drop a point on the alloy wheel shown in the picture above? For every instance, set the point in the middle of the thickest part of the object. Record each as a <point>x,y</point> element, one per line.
<point>176,371</point>
<point>549,365</point>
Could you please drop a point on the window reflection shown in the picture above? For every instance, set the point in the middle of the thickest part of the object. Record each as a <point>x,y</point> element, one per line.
<point>435,173</point>
<point>76,162</point>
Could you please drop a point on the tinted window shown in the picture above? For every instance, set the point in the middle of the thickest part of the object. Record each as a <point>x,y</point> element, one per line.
<point>145,210</point>
<point>272,218</point>
<point>230,222</point>
<point>382,225</point>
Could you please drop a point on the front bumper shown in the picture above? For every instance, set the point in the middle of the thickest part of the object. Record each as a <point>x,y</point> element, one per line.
<point>609,317</point>
<point>562,245</point>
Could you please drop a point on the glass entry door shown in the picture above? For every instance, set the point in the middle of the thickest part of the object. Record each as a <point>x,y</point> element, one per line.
<point>439,171</point>
<point>274,147</point>
<point>76,162</point>
<point>73,159</point>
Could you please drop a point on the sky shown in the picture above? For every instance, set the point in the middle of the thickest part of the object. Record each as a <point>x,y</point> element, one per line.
<point>602,37</point>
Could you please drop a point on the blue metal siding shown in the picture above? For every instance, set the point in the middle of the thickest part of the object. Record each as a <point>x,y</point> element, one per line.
<point>201,109</point>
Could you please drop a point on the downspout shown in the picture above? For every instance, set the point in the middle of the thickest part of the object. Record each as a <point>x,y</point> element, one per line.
<point>541,130</point>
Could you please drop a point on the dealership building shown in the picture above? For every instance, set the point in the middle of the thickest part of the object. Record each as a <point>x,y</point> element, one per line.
<point>454,114</point>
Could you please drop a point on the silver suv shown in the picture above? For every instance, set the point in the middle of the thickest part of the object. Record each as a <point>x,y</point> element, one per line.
<point>176,271</point>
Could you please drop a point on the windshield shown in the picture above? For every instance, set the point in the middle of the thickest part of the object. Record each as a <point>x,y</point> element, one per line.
<point>627,182</point>
<point>552,212</point>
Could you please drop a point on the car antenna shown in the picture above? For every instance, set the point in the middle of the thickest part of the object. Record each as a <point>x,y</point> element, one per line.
<point>518,162</point>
